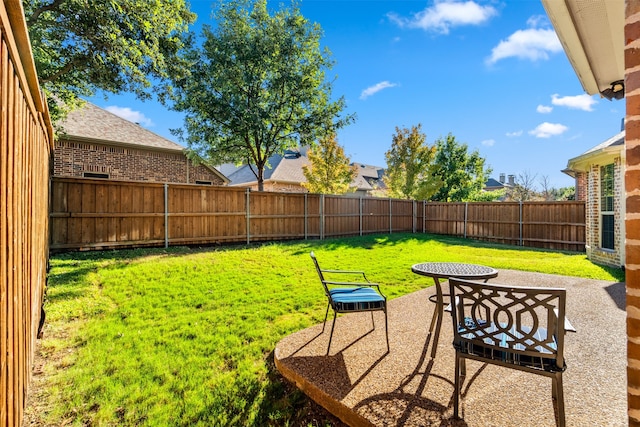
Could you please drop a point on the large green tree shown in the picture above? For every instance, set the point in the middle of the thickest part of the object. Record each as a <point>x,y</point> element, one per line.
<point>330,171</point>
<point>81,46</point>
<point>257,86</point>
<point>462,174</point>
<point>409,172</point>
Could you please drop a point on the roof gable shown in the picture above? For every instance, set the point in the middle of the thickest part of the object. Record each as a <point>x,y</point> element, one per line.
<point>608,149</point>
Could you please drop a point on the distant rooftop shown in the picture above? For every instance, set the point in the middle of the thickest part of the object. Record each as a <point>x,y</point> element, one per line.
<point>93,123</point>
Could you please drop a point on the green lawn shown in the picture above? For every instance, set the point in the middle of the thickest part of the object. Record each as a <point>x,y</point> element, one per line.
<point>185,336</point>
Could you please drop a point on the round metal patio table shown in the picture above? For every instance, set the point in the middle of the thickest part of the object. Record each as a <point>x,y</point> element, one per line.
<point>446,270</point>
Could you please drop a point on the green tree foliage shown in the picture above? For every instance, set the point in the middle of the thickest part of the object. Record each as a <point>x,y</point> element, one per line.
<point>409,163</point>
<point>257,86</point>
<point>81,46</point>
<point>462,174</point>
<point>330,171</point>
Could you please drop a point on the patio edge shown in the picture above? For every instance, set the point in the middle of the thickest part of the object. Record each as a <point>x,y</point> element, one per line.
<point>336,408</point>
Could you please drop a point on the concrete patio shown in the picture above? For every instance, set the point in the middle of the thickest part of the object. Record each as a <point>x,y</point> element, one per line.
<point>364,385</point>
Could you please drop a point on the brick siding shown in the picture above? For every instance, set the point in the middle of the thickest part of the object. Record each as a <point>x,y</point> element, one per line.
<point>632,220</point>
<point>581,187</point>
<point>592,188</point>
<point>73,159</point>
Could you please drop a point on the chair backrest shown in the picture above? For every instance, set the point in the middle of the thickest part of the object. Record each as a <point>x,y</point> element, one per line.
<point>520,321</point>
<point>320,274</point>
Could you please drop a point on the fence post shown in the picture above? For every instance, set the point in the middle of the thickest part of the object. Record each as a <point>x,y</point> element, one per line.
<point>424,216</point>
<point>322,217</point>
<point>520,224</point>
<point>466,212</point>
<point>361,215</point>
<point>166,215</point>
<point>414,216</point>
<point>248,216</point>
<point>390,219</point>
<point>306,217</point>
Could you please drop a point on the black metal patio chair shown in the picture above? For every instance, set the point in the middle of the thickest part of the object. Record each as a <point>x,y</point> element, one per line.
<point>521,328</point>
<point>351,296</point>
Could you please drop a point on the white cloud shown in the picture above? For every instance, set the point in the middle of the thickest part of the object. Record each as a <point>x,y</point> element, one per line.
<point>514,134</point>
<point>547,130</point>
<point>444,15</point>
<point>131,115</point>
<point>578,102</point>
<point>372,90</point>
<point>488,142</point>
<point>533,44</point>
<point>544,109</point>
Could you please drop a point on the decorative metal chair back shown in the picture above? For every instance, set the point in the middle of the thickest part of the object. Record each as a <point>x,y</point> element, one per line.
<point>320,274</point>
<point>518,327</point>
<point>350,296</point>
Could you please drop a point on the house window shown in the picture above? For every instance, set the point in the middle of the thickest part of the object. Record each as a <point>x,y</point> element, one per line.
<point>204,183</point>
<point>606,207</point>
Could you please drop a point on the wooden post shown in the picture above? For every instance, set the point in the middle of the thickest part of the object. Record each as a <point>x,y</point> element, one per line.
<point>466,212</point>
<point>424,216</point>
<point>322,217</point>
<point>414,216</point>
<point>248,215</point>
<point>306,217</point>
<point>390,219</point>
<point>520,221</point>
<point>166,215</point>
<point>361,201</point>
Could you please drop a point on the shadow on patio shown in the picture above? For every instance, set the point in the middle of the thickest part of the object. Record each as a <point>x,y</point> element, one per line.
<point>363,385</point>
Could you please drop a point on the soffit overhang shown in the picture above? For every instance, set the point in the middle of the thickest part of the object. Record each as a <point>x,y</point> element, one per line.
<point>592,35</point>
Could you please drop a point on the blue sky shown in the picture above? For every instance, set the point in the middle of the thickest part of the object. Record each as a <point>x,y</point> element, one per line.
<point>492,73</point>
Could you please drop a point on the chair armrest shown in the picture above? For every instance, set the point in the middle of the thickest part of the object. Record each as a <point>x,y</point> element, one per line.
<point>568,327</point>
<point>352,284</point>
<point>352,272</point>
<point>343,271</point>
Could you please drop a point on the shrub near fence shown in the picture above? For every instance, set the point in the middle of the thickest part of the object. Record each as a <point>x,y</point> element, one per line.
<point>97,214</point>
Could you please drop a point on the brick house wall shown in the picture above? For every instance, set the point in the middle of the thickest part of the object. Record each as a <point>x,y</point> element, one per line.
<point>74,159</point>
<point>632,219</point>
<point>581,187</point>
<point>591,180</point>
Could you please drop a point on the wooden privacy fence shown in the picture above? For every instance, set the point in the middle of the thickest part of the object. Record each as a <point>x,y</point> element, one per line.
<point>98,214</point>
<point>551,225</point>
<point>25,147</point>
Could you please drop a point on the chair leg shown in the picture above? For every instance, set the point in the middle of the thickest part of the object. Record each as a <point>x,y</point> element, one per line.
<point>386,327</point>
<point>456,391</point>
<point>558,393</point>
<point>325,317</point>
<point>373,323</point>
<point>333,325</point>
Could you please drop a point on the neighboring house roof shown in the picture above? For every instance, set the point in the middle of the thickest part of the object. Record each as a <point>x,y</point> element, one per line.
<point>369,177</point>
<point>493,184</point>
<point>91,123</point>
<point>287,168</point>
<point>611,147</point>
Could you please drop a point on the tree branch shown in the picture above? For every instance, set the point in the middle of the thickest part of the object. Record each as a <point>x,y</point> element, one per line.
<point>39,11</point>
<point>65,69</point>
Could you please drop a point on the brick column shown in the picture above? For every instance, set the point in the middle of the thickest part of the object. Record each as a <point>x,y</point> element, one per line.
<point>632,219</point>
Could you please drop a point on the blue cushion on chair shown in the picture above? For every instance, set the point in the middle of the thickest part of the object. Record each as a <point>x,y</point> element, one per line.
<point>356,299</point>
